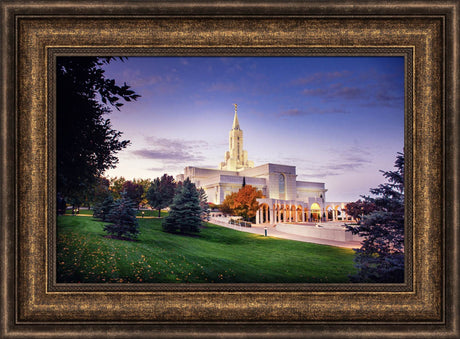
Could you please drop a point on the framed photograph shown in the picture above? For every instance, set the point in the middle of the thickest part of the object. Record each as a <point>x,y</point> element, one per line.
<point>294,44</point>
<point>177,126</point>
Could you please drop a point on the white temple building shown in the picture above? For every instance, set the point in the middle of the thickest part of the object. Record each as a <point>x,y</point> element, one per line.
<point>285,198</point>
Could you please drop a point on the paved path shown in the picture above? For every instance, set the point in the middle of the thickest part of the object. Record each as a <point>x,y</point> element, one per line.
<point>272,232</point>
<point>137,216</point>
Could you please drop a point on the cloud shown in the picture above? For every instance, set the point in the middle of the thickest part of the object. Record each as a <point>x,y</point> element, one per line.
<point>337,91</point>
<point>144,82</point>
<point>321,77</point>
<point>350,160</point>
<point>368,89</point>
<point>172,150</point>
<point>386,97</point>
<point>179,155</point>
<point>175,143</point>
<point>222,87</point>
<point>155,169</point>
<point>135,78</point>
<point>312,111</point>
<point>330,169</point>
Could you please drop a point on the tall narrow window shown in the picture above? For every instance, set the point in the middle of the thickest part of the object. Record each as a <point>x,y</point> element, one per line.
<point>282,182</point>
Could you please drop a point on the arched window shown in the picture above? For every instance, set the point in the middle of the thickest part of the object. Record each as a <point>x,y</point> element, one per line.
<point>282,183</point>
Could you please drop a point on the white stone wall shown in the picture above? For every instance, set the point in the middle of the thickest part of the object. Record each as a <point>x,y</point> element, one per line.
<point>318,232</point>
<point>264,177</point>
<point>308,189</point>
<point>257,171</point>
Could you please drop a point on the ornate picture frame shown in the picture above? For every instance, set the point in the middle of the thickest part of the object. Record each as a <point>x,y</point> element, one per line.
<point>426,34</point>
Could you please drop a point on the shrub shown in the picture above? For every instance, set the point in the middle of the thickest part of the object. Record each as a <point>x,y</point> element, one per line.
<point>123,219</point>
<point>102,210</point>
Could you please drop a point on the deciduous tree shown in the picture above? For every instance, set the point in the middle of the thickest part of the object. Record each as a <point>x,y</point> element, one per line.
<point>133,191</point>
<point>227,205</point>
<point>145,183</point>
<point>116,186</point>
<point>245,203</point>
<point>359,208</point>
<point>161,192</point>
<point>86,142</point>
<point>100,190</point>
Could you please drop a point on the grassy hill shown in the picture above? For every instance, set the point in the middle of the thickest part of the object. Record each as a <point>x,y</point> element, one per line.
<point>216,254</point>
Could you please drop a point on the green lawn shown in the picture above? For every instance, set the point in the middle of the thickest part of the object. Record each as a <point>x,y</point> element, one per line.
<point>217,254</point>
<point>147,213</point>
<point>152,213</point>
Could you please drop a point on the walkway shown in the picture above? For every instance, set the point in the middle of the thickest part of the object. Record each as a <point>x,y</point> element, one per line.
<point>272,232</point>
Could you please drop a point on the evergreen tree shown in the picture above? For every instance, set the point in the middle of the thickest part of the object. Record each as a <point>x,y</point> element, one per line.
<point>122,218</point>
<point>102,209</point>
<point>381,256</point>
<point>185,211</point>
<point>205,211</point>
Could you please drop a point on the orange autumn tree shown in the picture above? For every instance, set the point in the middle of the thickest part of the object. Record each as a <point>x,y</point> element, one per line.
<point>244,203</point>
<point>228,203</point>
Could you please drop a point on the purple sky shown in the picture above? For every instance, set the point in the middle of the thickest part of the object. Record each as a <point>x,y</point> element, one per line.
<point>338,119</point>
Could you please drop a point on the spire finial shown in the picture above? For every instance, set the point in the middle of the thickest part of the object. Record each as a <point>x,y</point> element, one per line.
<point>236,124</point>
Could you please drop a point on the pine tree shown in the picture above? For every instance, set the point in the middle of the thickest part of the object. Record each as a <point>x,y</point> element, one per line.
<point>381,256</point>
<point>123,218</point>
<point>205,211</point>
<point>184,214</point>
<point>102,210</point>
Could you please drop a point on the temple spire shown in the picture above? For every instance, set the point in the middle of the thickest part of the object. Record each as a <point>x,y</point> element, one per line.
<point>236,159</point>
<point>236,124</point>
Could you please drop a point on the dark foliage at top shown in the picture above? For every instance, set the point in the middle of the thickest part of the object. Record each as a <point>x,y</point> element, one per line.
<point>161,192</point>
<point>359,208</point>
<point>134,191</point>
<point>86,142</point>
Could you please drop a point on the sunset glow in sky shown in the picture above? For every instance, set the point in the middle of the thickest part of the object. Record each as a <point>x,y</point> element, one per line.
<point>338,119</point>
